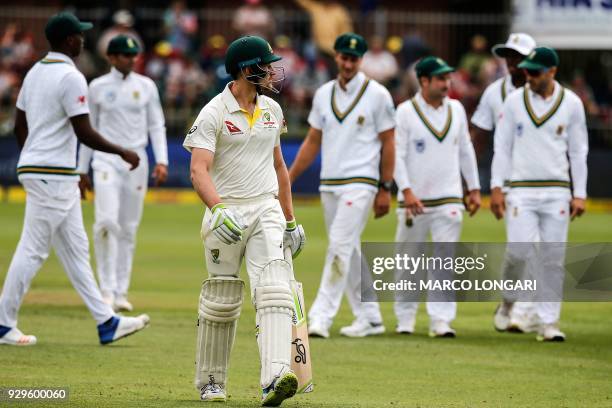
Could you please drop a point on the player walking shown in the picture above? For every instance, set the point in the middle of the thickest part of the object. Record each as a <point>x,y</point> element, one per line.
<point>51,109</point>
<point>352,123</point>
<point>237,169</point>
<point>542,125</point>
<point>510,315</point>
<point>433,151</point>
<point>124,106</point>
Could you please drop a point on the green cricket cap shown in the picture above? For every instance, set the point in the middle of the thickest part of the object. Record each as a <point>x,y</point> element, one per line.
<point>351,44</point>
<point>540,59</point>
<point>63,25</point>
<point>122,44</point>
<point>432,66</point>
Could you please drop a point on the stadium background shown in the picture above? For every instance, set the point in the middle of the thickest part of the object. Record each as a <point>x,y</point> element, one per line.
<point>184,55</point>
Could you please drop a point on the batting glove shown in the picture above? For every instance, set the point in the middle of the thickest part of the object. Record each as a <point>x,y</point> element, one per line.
<point>294,238</point>
<point>225,225</point>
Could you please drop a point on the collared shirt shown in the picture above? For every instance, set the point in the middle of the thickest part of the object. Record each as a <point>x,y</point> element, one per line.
<point>53,91</point>
<point>126,111</point>
<point>243,145</point>
<point>432,150</point>
<point>351,120</point>
<point>534,138</point>
<point>491,103</point>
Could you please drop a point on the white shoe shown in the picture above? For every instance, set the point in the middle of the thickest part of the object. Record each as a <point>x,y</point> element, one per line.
<point>119,327</point>
<point>317,330</point>
<point>501,320</point>
<point>523,323</point>
<point>550,332</point>
<point>14,337</point>
<point>440,328</point>
<point>405,326</point>
<point>362,328</point>
<point>121,304</point>
<point>212,391</point>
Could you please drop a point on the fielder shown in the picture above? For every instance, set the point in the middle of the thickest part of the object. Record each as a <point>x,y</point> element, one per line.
<point>433,151</point>
<point>510,315</point>
<point>52,109</point>
<point>352,122</point>
<point>237,169</point>
<point>541,138</point>
<point>124,106</point>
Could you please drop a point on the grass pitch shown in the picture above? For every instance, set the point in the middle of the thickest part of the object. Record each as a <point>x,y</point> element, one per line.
<point>480,368</point>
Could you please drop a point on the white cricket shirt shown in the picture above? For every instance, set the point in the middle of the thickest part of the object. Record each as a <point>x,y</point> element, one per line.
<point>351,121</point>
<point>433,149</point>
<point>243,165</point>
<point>534,139</point>
<point>53,91</point>
<point>126,111</point>
<point>491,103</point>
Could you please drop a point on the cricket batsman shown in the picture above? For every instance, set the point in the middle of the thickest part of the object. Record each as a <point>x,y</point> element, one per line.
<point>510,315</point>
<point>540,141</point>
<point>352,123</point>
<point>124,106</point>
<point>433,151</point>
<point>52,112</point>
<point>237,169</point>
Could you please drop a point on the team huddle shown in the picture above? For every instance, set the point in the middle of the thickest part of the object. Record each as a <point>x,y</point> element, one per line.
<point>538,184</point>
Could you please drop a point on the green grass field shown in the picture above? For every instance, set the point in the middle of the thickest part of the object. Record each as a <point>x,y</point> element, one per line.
<point>480,368</point>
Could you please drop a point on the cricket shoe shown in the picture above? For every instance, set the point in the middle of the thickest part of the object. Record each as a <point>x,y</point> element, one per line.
<point>14,337</point>
<point>550,332</point>
<point>523,323</point>
<point>440,328</point>
<point>282,387</point>
<point>213,392</point>
<point>501,319</point>
<point>362,328</point>
<point>317,330</point>
<point>405,326</point>
<point>121,304</point>
<point>118,327</point>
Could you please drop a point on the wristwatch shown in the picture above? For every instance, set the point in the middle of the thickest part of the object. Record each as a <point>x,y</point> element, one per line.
<point>385,185</point>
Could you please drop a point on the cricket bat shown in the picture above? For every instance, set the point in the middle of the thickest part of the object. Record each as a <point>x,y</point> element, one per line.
<point>301,363</point>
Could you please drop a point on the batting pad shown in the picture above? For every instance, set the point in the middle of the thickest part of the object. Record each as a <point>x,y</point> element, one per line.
<point>274,306</point>
<point>219,310</point>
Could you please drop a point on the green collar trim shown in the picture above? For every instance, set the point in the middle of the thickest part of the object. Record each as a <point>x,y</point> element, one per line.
<point>503,90</point>
<point>342,115</point>
<point>539,121</point>
<point>440,135</point>
<point>52,61</point>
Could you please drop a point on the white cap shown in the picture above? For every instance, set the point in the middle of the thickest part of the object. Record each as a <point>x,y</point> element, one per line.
<point>123,17</point>
<point>519,42</point>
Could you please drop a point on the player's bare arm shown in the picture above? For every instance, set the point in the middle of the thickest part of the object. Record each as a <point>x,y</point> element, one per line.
<point>21,127</point>
<point>382,202</point>
<point>284,186</point>
<point>88,136</point>
<point>307,153</point>
<point>201,162</point>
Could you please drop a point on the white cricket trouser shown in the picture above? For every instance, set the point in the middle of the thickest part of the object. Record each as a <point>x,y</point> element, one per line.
<point>52,218</point>
<point>346,214</point>
<point>444,224</point>
<point>118,203</point>
<point>540,214</point>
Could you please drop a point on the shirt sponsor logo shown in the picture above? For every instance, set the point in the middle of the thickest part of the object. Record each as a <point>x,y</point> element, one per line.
<point>268,122</point>
<point>233,129</point>
<point>560,130</point>
<point>360,120</point>
<point>419,145</point>
<point>193,129</point>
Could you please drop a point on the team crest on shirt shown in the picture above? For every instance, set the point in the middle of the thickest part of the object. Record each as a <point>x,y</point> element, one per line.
<point>360,120</point>
<point>268,122</point>
<point>519,129</point>
<point>81,99</point>
<point>193,129</point>
<point>110,96</point>
<point>560,130</point>
<point>419,145</point>
<point>233,129</point>
<point>136,95</point>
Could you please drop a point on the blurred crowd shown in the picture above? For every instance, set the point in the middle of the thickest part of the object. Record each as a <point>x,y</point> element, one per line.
<point>189,70</point>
